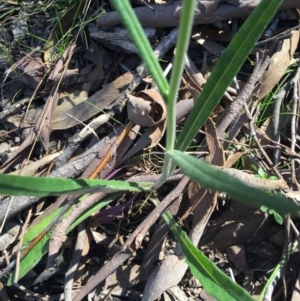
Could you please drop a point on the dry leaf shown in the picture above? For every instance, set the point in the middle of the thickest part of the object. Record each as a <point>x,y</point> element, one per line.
<point>279,63</point>
<point>93,105</point>
<point>29,70</point>
<point>232,159</point>
<point>31,168</point>
<point>157,134</point>
<point>68,99</point>
<point>163,278</point>
<point>211,46</point>
<point>147,111</point>
<point>237,226</point>
<point>216,152</point>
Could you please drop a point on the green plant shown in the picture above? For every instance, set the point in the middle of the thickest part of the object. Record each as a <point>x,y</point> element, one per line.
<point>262,175</point>
<point>278,218</point>
<point>214,281</point>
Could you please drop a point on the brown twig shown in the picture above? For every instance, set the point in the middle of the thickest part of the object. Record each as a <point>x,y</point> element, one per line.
<point>70,274</point>
<point>236,106</point>
<point>206,12</point>
<point>295,106</point>
<point>254,136</point>
<point>18,258</point>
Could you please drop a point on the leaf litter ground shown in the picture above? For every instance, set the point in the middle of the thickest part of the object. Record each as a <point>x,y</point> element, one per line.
<point>84,93</point>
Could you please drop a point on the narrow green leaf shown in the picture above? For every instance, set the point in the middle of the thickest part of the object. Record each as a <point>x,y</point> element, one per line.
<point>35,230</point>
<point>141,42</point>
<point>226,68</point>
<point>32,258</point>
<point>214,281</point>
<point>18,185</point>
<point>41,248</point>
<point>93,209</point>
<point>217,180</point>
<point>183,39</point>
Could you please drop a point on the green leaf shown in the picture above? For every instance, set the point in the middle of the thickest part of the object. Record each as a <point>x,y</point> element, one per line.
<point>217,180</point>
<point>130,21</point>
<point>18,185</point>
<point>261,173</point>
<point>93,209</point>
<point>264,208</point>
<point>214,281</point>
<point>226,68</point>
<point>41,248</point>
<point>32,258</point>
<point>36,229</point>
<point>278,218</point>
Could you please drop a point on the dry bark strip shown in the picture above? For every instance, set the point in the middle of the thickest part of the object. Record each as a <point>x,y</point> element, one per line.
<point>206,12</point>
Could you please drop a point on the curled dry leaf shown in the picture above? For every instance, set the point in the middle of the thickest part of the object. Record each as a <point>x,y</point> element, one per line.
<point>147,111</point>
<point>157,134</point>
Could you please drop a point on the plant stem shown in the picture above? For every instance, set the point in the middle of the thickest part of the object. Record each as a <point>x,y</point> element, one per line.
<point>132,24</point>
<point>185,28</point>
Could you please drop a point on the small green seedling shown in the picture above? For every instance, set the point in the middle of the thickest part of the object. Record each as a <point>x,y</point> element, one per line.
<point>262,175</point>
<point>278,218</point>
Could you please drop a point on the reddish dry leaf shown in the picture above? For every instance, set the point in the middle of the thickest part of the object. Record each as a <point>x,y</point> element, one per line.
<point>183,108</point>
<point>148,111</point>
<point>57,71</point>
<point>29,70</point>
